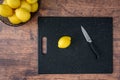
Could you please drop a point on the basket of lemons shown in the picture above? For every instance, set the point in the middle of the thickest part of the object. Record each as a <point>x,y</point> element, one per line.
<point>17,12</point>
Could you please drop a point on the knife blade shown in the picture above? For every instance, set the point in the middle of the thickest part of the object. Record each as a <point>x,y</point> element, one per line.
<point>90,42</point>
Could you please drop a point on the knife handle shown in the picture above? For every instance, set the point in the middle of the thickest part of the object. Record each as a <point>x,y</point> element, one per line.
<point>94,50</point>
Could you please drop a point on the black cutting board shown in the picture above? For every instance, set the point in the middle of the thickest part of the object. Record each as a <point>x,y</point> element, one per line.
<point>78,57</point>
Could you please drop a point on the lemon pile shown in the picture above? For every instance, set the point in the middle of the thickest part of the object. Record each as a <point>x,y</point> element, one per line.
<point>64,42</point>
<point>18,11</point>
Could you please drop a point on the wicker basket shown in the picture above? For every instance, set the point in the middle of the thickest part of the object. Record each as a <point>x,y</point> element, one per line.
<point>6,21</point>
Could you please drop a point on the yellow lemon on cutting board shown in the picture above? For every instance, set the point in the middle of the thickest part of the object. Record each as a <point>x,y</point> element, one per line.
<point>22,14</point>
<point>34,7</point>
<point>13,3</point>
<point>64,42</point>
<point>5,10</point>
<point>14,19</point>
<point>25,5</point>
<point>31,1</point>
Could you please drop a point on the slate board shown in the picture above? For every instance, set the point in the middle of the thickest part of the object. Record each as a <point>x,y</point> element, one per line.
<point>78,58</point>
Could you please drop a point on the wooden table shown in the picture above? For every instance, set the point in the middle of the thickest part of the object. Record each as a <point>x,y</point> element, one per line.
<point>18,45</point>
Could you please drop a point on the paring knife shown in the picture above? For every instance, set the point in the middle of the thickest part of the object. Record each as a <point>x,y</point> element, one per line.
<point>90,42</point>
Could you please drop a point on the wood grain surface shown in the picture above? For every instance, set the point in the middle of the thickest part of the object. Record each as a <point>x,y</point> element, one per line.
<point>18,45</point>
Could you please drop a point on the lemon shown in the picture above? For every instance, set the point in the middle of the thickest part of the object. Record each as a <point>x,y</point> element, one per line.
<point>23,14</point>
<point>31,1</point>
<point>14,19</point>
<point>5,10</point>
<point>34,7</point>
<point>64,42</point>
<point>25,5</point>
<point>13,3</point>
